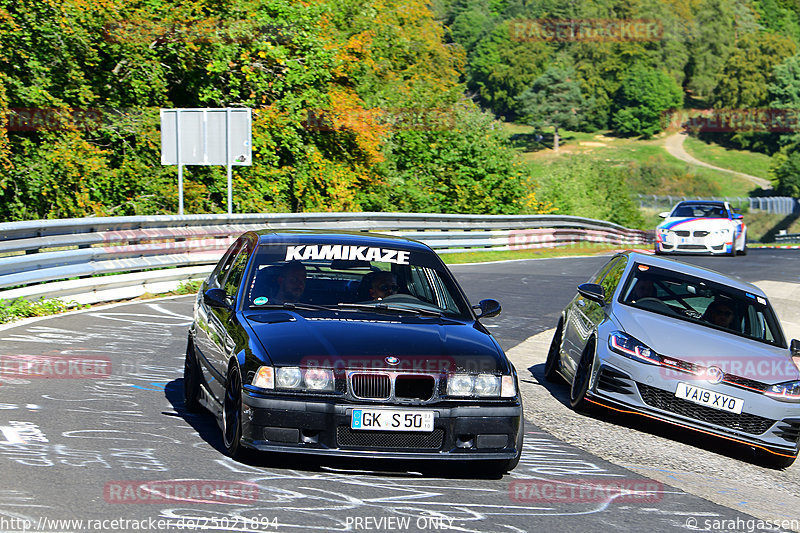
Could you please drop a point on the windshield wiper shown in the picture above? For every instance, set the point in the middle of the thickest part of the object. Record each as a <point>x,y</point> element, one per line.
<point>292,306</point>
<point>391,308</point>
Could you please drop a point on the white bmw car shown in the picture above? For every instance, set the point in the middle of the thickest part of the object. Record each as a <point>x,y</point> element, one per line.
<point>701,227</point>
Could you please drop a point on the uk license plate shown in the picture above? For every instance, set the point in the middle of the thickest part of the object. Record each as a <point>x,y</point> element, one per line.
<point>392,420</point>
<point>709,398</point>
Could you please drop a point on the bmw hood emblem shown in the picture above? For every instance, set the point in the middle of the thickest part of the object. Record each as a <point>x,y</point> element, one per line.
<point>392,360</point>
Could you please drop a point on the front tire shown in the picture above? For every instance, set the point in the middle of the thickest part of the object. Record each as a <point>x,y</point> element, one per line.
<point>582,380</point>
<point>553,362</point>
<point>232,413</point>
<point>191,380</point>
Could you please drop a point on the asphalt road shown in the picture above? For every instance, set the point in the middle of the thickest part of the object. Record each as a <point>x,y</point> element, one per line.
<point>111,441</point>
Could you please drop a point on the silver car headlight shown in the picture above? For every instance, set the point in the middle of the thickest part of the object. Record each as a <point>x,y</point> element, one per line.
<point>624,344</point>
<point>785,392</point>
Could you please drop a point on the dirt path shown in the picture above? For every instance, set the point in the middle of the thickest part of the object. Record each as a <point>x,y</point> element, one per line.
<point>674,145</point>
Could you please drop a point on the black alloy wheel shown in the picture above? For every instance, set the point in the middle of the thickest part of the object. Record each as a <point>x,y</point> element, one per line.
<point>232,413</point>
<point>191,380</point>
<point>582,379</point>
<point>553,362</point>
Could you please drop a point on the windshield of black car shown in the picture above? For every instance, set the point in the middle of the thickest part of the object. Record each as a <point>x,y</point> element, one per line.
<point>703,302</point>
<point>337,276</point>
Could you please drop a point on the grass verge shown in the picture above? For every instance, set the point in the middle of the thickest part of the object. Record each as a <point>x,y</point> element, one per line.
<point>743,161</point>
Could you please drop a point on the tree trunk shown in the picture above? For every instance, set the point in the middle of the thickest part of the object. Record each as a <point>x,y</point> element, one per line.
<point>555,139</point>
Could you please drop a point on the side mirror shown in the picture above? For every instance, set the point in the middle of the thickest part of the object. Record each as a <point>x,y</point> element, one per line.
<point>216,298</point>
<point>488,308</point>
<point>794,350</point>
<point>593,291</point>
<point>736,216</point>
<point>665,214</point>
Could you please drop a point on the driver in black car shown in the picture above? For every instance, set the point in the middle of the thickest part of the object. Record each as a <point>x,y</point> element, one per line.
<point>383,284</point>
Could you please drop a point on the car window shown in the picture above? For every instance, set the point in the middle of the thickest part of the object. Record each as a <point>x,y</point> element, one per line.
<point>327,274</point>
<point>700,211</point>
<point>600,274</point>
<point>235,273</point>
<point>703,302</point>
<point>612,277</point>
<point>217,277</point>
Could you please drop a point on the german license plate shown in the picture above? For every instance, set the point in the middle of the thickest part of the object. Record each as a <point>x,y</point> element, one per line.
<point>709,398</point>
<point>392,420</point>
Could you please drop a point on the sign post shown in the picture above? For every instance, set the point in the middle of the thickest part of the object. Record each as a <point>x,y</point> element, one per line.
<point>206,136</point>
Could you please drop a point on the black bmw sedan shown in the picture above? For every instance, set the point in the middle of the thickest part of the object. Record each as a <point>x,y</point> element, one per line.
<point>352,344</point>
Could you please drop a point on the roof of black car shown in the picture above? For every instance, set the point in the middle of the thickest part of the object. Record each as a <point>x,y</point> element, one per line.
<point>347,238</point>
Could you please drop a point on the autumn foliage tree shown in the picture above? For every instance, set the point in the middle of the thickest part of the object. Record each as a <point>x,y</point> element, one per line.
<point>342,91</point>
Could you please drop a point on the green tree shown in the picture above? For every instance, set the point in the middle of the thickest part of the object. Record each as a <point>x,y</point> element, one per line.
<point>588,188</point>
<point>713,34</point>
<point>504,66</point>
<point>784,93</point>
<point>554,100</point>
<point>785,173</point>
<point>643,97</point>
<point>745,76</point>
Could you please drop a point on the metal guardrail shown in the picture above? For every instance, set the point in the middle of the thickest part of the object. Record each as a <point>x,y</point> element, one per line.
<point>787,238</point>
<point>134,255</point>
<point>781,205</point>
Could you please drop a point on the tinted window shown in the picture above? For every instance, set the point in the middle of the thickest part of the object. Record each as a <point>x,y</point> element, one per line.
<point>217,277</point>
<point>703,302</point>
<point>331,274</point>
<point>235,273</point>
<point>612,277</point>
<point>700,211</point>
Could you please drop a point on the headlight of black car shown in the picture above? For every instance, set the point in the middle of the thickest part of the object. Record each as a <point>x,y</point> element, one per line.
<point>785,392</point>
<point>624,344</point>
<point>294,378</point>
<point>480,386</point>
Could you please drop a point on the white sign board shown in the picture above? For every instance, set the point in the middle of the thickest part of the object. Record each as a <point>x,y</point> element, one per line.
<point>210,136</point>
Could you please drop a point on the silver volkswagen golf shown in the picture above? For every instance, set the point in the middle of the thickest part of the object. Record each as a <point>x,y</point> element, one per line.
<point>685,345</point>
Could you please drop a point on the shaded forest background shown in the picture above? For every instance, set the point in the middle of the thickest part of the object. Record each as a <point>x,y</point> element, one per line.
<point>368,105</point>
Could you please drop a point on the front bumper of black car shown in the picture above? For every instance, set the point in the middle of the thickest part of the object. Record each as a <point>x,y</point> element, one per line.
<point>323,427</point>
